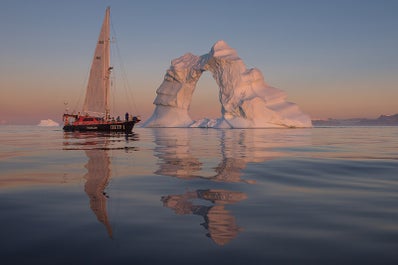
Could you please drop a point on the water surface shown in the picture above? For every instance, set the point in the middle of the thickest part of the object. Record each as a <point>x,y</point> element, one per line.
<point>199,196</point>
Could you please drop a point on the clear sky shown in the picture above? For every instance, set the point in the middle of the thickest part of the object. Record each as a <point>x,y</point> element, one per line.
<point>336,58</point>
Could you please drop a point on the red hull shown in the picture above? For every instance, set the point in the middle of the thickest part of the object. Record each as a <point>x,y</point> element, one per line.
<point>87,123</point>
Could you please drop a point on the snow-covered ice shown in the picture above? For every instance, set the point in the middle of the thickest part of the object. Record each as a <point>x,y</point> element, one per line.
<point>246,100</point>
<point>48,123</point>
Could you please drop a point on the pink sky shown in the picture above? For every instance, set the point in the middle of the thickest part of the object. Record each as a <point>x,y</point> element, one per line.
<point>330,58</point>
<point>27,103</point>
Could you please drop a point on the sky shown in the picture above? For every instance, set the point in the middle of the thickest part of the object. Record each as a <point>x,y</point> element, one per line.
<point>334,59</point>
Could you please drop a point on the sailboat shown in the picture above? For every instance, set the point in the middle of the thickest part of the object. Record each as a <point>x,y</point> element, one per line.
<point>96,109</point>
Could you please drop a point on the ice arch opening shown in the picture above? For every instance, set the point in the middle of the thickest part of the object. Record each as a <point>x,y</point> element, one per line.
<point>246,100</point>
<point>207,91</point>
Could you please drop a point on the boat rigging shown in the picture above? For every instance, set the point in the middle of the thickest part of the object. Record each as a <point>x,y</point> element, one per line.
<point>96,113</point>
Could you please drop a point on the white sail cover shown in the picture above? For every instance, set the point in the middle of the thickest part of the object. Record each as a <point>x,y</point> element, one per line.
<point>97,93</point>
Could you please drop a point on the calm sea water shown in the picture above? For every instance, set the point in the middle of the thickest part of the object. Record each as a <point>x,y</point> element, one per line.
<point>199,196</point>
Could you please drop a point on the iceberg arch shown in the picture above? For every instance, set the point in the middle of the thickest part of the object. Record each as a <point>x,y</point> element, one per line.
<point>246,100</point>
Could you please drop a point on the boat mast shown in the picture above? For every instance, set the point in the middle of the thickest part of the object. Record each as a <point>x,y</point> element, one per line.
<point>107,64</point>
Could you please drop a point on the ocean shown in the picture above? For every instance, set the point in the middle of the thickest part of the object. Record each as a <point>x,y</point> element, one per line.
<point>325,195</point>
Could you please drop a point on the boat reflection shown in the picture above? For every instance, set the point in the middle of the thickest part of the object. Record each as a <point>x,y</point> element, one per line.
<point>216,156</point>
<point>97,179</point>
<point>219,222</point>
<point>96,147</point>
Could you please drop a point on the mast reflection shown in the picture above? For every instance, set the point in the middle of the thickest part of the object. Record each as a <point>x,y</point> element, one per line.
<point>96,147</point>
<point>97,179</point>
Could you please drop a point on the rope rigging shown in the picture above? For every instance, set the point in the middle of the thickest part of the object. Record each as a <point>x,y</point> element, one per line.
<point>128,92</point>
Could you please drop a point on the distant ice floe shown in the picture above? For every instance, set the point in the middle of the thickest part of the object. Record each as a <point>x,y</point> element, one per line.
<point>48,123</point>
<point>246,100</point>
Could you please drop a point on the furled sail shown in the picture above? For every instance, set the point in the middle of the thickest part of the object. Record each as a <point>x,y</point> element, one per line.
<point>97,93</point>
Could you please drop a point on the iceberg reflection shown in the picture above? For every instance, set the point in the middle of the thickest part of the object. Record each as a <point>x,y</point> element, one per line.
<point>219,222</point>
<point>181,156</point>
<point>219,156</point>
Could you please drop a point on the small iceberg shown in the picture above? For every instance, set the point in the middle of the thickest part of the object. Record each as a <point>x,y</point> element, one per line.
<point>48,123</point>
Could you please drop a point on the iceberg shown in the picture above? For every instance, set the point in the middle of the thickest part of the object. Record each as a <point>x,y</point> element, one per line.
<point>247,101</point>
<point>48,123</point>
